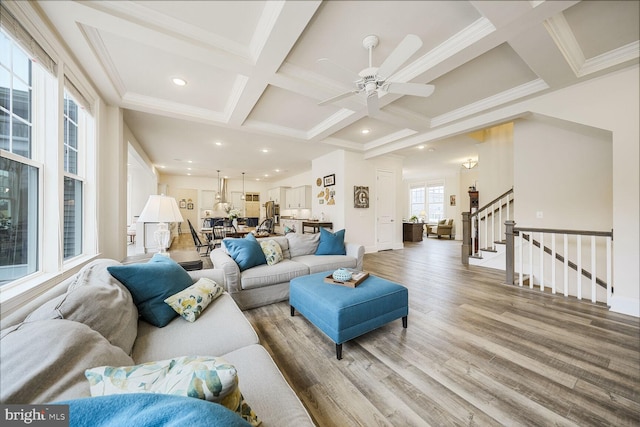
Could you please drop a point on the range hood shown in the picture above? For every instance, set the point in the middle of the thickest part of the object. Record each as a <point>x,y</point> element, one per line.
<point>222,191</point>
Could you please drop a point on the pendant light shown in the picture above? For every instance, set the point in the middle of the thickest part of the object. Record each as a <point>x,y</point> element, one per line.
<point>243,197</point>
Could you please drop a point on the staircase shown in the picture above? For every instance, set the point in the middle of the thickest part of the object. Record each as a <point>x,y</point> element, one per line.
<point>567,262</point>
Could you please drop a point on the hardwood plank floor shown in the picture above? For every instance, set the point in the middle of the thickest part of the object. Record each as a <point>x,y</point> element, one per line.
<point>476,352</point>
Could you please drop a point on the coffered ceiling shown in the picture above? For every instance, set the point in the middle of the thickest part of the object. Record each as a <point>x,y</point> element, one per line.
<point>254,83</point>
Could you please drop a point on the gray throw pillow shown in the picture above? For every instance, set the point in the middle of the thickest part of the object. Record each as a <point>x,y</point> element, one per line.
<point>303,244</point>
<point>99,301</point>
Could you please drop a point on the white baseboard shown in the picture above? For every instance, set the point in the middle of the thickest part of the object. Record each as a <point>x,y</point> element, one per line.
<point>630,306</point>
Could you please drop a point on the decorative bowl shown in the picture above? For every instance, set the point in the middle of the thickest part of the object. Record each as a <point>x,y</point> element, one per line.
<point>342,275</point>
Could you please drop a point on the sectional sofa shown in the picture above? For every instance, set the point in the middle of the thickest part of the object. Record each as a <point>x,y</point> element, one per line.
<point>91,320</point>
<point>266,284</point>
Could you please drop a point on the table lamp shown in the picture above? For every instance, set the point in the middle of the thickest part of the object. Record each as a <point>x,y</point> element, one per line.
<point>161,209</point>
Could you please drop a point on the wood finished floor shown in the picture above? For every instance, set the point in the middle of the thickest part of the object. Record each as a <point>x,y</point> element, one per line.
<point>476,352</point>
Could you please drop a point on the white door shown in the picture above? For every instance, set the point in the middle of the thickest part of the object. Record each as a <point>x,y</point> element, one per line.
<point>386,208</point>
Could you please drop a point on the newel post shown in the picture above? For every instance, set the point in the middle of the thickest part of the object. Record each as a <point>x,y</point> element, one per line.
<point>466,237</point>
<point>509,225</point>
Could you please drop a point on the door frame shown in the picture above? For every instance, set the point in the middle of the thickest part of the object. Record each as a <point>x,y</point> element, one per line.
<point>381,199</point>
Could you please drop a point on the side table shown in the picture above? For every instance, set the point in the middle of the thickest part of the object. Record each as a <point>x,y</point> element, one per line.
<point>189,259</point>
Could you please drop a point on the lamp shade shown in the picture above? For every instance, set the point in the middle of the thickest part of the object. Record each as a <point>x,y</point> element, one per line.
<point>160,208</point>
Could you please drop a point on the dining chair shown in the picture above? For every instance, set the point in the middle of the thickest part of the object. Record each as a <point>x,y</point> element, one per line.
<point>217,234</point>
<point>198,242</point>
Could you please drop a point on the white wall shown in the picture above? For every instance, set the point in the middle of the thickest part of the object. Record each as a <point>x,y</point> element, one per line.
<point>611,103</point>
<point>579,197</point>
<point>495,163</point>
<point>351,169</point>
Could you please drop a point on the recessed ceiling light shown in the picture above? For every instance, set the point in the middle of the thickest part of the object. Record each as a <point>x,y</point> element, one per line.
<point>277,170</point>
<point>266,175</point>
<point>178,81</point>
<point>189,161</point>
<point>420,147</point>
<point>264,150</point>
<point>365,131</point>
<point>218,143</point>
<point>257,179</point>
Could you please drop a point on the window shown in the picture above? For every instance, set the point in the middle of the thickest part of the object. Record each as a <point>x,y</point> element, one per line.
<point>427,201</point>
<point>435,202</point>
<point>19,176</point>
<point>417,197</point>
<point>72,184</point>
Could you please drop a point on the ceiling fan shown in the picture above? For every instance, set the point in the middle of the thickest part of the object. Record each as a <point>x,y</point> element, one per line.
<point>372,79</point>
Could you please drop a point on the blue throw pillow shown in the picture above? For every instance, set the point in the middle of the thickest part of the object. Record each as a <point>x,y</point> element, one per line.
<point>150,284</point>
<point>331,243</point>
<point>245,252</point>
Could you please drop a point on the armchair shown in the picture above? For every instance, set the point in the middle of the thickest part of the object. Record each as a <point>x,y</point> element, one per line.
<point>443,228</point>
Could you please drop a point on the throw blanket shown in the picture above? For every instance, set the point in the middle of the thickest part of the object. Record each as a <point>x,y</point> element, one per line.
<point>147,410</point>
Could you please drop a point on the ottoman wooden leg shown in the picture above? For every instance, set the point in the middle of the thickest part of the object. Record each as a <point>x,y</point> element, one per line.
<point>339,351</point>
<point>293,311</point>
<point>404,322</point>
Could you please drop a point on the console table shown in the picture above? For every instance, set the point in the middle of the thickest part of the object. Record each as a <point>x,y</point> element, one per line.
<point>412,231</point>
<point>188,259</point>
<point>316,226</point>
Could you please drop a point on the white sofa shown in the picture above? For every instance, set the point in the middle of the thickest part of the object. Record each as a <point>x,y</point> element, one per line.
<point>266,284</point>
<point>90,320</point>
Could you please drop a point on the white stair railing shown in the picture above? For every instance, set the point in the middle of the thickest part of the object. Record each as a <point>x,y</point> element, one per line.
<point>533,254</point>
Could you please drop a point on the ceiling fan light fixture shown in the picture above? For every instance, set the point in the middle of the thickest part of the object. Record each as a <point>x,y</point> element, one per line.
<point>469,164</point>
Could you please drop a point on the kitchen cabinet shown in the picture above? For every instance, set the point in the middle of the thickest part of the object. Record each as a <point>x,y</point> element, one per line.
<point>278,195</point>
<point>299,197</point>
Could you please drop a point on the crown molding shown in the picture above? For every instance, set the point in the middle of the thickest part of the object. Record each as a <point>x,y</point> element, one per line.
<point>450,47</point>
<point>614,57</point>
<point>392,137</point>
<point>266,23</point>
<point>94,40</point>
<point>268,128</point>
<point>333,120</point>
<point>501,98</point>
<point>237,89</point>
<point>150,104</point>
<point>148,18</point>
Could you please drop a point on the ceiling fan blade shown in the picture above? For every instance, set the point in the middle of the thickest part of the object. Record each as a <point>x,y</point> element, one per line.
<point>338,71</point>
<point>407,47</point>
<point>415,89</point>
<point>372,104</point>
<point>338,97</point>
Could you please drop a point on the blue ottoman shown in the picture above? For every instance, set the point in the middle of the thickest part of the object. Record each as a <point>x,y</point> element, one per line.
<point>344,313</point>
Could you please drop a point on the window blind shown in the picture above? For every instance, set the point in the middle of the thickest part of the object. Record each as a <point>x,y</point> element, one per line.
<point>11,25</point>
<point>77,95</point>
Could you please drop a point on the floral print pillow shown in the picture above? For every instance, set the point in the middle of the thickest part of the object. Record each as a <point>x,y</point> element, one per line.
<point>206,378</point>
<point>272,251</point>
<point>191,302</point>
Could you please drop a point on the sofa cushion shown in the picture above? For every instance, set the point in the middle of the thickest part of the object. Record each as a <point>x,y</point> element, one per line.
<point>266,275</point>
<point>201,377</point>
<point>272,251</point>
<point>221,328</point>
<point>99,301</point>
<point>191,302</point>
<point>151,283</point>
<point>316,264</point>
<point>245,252</point>
<point>266,389</point>
<point>150,410</point>
<point>331,243</point>
<point>51,367</point>
<point>302,244</point>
